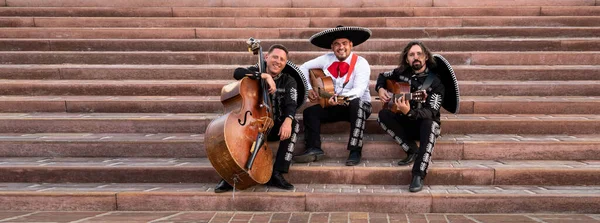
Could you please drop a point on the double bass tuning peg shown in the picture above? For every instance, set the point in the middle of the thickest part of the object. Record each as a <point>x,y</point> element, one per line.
<point>253,45</point>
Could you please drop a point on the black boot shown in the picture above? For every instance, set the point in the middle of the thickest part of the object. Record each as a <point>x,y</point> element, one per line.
<point>310,155</point>
<point>416,185</point>
<point>278,181</point>
<point>223,186</point>
<point>354,158</point>
<point>410,157</point>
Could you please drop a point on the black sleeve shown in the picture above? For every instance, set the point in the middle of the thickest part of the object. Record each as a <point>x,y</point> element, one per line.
<point>433,103</point>
<point>392,74</point>
<point>291,98</point>
<point>242,72</point>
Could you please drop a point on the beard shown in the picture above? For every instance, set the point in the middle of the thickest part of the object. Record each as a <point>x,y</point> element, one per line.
<point>416,66</point>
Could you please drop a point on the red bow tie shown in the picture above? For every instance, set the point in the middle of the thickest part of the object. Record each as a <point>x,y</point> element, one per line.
<point>341,67</point>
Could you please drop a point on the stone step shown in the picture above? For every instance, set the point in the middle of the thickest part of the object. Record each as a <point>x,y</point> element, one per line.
<point>376,45</point>
<point>376,146</point>
<point>278,216</point>
<point>237,57</point>
<point>212,104</point>
<point>277,22</point>
<point>164,200</point>
<point>338,197</point>
<point>196,123</point>
<point>224,72</point>
<point>329,171</point>
<point>286,33</point>
<point>213,88</point>
<point>291,3</point>
<point>299,12</point>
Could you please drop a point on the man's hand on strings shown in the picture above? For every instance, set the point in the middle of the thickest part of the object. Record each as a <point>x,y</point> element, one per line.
<point>312,95</point>
<point>384,95</point>
<point>333,100</point>
<point>403,105</point>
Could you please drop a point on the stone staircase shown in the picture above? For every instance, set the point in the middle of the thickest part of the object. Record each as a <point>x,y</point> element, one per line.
<point>103,105</point>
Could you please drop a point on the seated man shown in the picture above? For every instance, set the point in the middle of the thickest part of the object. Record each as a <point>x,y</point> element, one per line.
<point>287,89</point>
<point>415,120</point>
<point>350,74</point>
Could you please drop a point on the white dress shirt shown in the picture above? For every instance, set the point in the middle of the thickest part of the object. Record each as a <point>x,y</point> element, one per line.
<point>357,86</point>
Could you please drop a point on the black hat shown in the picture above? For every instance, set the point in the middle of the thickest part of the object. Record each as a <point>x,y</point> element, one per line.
<point>324,38</point>
<point>448,78</point>
<point>301,82</point>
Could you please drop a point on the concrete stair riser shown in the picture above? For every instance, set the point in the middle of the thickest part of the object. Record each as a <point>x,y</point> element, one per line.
<point>293,33</point>
<point>382,58</point>
<point>261,22</point>
<point>376,45</point>
<point>196,123</point>
<point>446,149</point>
<point>224,72</point>
<point>212,104</point>
<point>297,12</point>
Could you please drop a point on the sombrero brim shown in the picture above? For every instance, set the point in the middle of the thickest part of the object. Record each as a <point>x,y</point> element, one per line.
<point>446,74</point>
<point>301,82</point>
<point>324,38</point>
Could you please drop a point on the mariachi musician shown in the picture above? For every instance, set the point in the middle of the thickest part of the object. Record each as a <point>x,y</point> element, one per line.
<point>287,89</point>
<point>417,120</point>
<point>350,74</point>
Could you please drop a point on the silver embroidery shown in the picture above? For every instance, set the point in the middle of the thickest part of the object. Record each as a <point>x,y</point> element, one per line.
<point>356,132</point>
<point>388,73</point>
<point>436,101</point>
<point>423,166</point>
<point>429,148</point>
<point>288,157</point>
<point>426,157</point>
<point>294,94</point>
<point>358,123</point>
<point>353,142</point>
<point>389,131</point>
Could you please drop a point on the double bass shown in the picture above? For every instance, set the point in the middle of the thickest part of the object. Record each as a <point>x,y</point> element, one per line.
<point>235,142</point>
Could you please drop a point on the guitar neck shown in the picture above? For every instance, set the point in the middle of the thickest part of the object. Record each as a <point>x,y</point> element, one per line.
<point>408,96</point>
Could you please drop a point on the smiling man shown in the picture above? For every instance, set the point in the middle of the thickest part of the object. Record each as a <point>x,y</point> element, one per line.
<point>350,74</point>
<point>288,91</point>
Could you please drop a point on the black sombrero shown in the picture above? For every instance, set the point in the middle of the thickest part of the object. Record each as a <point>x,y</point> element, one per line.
<point>301,82</point>
<point>448,78</point>
<point>324,38</point>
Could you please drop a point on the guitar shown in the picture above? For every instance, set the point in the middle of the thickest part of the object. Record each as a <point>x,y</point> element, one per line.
<point>325,88</point>
<point>402,89</point>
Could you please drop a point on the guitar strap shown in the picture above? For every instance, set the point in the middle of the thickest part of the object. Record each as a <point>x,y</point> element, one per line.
<point>351,69</point>
<point>428,82</point>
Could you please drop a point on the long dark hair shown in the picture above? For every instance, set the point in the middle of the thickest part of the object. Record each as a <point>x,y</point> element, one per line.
<point>405,67</point>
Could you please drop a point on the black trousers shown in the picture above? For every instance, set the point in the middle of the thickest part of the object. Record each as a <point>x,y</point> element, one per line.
<point>406,131</point>
<point>283,159</point>
<point>356,113</point>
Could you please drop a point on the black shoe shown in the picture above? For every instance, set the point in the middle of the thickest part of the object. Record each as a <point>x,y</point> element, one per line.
<point>410,157</point>
<point>416,185</point>
<point>354,158</point>
<point>310,155</point>
<point>223,186</point>
<point>278,181</point>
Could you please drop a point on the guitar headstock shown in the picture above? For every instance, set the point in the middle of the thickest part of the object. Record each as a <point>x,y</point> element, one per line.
<point>419,96</point>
